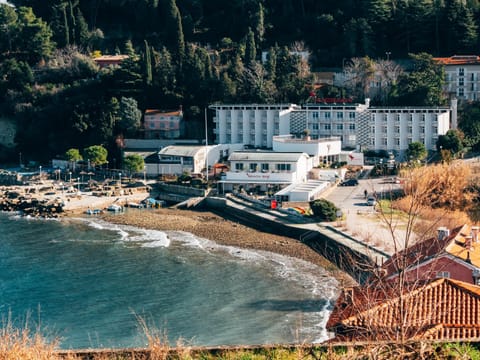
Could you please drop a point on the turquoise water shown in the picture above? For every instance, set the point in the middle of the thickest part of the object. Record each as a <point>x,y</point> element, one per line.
<point>88,283</point>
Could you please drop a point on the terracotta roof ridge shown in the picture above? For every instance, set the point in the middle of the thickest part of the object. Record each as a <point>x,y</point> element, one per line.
<point>470,288</point>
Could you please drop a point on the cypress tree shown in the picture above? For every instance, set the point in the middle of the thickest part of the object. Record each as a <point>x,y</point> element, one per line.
<point>71,19</point>
<point>81,28</point>
<point>175,30</point>
<point>65,24</point>
<point>148,64</point>
<point>250,50</point>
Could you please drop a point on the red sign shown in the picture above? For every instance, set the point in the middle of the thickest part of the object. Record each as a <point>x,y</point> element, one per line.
<point>333,100</point>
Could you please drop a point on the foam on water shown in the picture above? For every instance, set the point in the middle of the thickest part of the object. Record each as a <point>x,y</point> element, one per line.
<point>130,234</point>
<point>297,302</point>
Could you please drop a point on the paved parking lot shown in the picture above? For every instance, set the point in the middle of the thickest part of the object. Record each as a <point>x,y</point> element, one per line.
<point>362,221</point>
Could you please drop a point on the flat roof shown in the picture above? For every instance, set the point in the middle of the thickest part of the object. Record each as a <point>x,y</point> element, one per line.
<point>266,156</point>
<point>174,150</point>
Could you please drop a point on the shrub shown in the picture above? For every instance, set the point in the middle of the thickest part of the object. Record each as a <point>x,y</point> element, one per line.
<point>324,209</point>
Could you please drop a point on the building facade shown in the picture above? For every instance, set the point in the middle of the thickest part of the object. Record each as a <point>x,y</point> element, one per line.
<point>358,126</point>
<point>462,76</point>
<point>265,170</point>
<point>159,124</point>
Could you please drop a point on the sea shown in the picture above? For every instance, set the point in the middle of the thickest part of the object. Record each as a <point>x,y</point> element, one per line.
<point>92,284</point>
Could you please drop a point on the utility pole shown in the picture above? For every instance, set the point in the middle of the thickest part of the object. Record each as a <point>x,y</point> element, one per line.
<point>206,146</point>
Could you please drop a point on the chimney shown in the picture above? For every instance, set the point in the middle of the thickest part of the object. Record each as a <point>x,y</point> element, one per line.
<point>468,242</point>
<point>442,233</point>
<point>475,231</point>
<point>348,295</point>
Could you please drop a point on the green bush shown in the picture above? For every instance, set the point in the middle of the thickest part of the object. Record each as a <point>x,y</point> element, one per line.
<point>324,209</point>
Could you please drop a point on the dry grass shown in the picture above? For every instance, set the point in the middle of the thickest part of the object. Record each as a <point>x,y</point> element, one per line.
<point>16,344</point>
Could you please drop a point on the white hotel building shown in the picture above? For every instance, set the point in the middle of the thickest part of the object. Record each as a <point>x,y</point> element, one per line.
<point>359,126</point>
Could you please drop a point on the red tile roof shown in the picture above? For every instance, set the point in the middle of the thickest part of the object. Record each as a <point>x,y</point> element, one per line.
<point>419,252</point>
<point>441,309</point>
<point>162,112</point>
<point>459,60</point>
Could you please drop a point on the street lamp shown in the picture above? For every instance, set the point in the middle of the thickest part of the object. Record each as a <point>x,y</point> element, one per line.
<point>388,53</point>
<point>144,174</point>
<point>70,177</point>
<point>40,172</point>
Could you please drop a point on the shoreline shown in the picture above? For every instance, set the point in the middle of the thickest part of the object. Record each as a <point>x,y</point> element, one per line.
<point>208,225</point>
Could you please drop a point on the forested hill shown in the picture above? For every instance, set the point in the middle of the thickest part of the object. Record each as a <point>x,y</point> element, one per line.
<point>192,53</point>
<point>331,29</point>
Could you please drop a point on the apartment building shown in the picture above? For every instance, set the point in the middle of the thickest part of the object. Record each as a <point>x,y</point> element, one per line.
<point>462,76</point>
<point>358,126</point>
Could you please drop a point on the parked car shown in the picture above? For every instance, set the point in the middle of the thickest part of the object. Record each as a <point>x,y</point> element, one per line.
<point>349,182</point>
<point>371,201</point>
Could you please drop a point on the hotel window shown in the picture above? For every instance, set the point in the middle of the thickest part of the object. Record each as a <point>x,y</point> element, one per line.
<point>397,129</point>
<point>473,77</point>
<point>328,126</point>
<point>315,115</point>
<point>315,126</point>
<point>397,141</point>
<point>384,141</point>
<point>461,92</point>
<point>409,129</point>
<point>239,166</point>
<point>351,115</point>
<point>265,167</point>
<point>339,115</point>
<point>339,126</point>
<point>327,115</point>
<point>461,72</point>
<point>384,129</point>
<point>253,167</point>
<point>461,82</point>
<point>283,167</point>
<point>351,126</point>
<point>422,129</point>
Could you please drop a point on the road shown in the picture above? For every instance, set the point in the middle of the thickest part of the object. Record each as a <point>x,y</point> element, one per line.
<point>362,221</point>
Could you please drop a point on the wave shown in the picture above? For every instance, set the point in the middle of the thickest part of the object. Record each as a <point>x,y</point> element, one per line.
<point>131,234</point>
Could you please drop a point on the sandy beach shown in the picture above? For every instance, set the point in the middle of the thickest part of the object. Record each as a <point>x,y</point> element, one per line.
<point>213,227</point>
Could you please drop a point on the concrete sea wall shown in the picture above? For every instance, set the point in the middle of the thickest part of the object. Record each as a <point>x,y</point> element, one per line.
<point>358,265</point>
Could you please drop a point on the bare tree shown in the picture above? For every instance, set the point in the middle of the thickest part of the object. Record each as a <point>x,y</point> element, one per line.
<point>392,305</point>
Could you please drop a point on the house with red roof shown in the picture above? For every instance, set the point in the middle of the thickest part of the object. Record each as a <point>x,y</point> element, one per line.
<point>435,309</point>
<point>453,254</point>
<point>462,76</point>
<point>159,124</point>
<point>109,60</point>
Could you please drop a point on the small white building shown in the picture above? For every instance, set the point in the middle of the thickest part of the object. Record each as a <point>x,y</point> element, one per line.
<point>321,151</point>
<point>176,160</point>
<point>264,170</point>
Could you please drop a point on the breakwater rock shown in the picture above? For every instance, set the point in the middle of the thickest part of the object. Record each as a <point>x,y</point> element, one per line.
<point>30,206</point>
